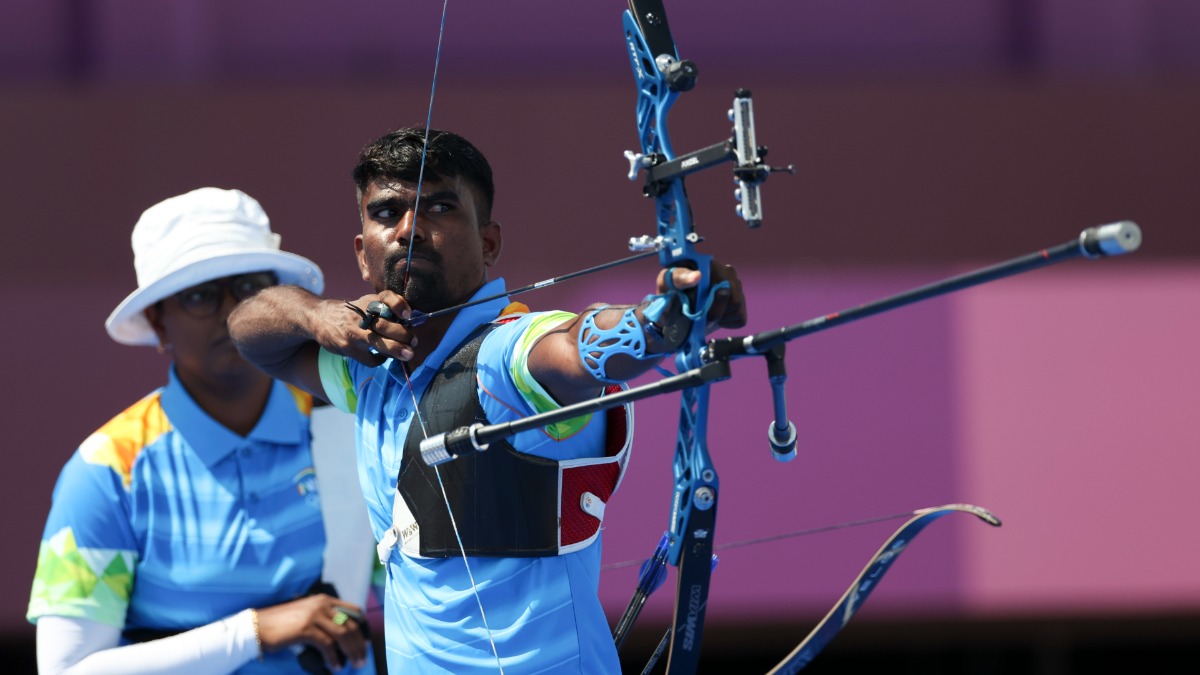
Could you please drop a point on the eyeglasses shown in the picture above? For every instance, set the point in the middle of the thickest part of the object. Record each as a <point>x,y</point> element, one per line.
<point>203,300</point>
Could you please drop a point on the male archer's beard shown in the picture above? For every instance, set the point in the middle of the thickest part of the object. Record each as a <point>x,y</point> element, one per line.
<point>425,291</point>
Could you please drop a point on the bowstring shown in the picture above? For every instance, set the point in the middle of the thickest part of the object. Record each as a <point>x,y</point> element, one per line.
<point>403,367</point>
<point>777,537</point>
<point>458,537</point>
<point>437,60</point>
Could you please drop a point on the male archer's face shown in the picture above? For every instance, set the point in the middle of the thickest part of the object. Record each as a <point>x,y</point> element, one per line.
<point>436,258</point>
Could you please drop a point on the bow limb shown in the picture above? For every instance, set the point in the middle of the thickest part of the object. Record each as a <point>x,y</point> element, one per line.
<point>866,581</point>
<point>661,76</point>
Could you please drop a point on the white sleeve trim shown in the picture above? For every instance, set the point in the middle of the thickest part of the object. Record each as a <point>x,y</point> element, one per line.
<point>72,646</point>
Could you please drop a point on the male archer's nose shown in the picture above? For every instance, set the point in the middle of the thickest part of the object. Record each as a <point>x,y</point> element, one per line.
<point>410,228</point>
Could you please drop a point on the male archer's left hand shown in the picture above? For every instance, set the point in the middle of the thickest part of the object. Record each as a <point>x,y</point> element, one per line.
<point>728,309</point>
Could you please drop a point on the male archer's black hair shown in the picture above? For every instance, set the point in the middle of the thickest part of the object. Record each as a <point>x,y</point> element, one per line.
<point>397,156</point>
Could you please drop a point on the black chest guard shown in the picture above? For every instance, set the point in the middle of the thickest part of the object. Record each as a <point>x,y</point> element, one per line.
<point>505,503</point>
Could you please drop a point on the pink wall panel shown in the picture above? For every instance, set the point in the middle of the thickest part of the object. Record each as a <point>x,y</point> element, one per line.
<point>1078,393</point>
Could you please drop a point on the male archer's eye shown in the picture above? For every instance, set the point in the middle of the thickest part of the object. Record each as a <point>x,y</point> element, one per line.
<point>439,207</point>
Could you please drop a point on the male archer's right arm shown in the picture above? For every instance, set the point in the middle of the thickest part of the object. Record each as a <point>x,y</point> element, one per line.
<point>282,329</point>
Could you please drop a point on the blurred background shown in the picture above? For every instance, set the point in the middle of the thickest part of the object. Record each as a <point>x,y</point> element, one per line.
<point>930,137</point>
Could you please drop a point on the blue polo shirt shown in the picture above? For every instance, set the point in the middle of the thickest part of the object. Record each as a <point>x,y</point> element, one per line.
<point>544,613</point>
<point>165,519</point>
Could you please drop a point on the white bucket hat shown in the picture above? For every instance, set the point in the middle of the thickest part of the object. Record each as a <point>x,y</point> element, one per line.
<point>196,237</point>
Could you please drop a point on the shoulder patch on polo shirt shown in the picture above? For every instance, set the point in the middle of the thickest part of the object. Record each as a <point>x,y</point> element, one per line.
<point>86,583</point>
<point>512,312</point>
<point>304,400</point>
<point>118,443</point>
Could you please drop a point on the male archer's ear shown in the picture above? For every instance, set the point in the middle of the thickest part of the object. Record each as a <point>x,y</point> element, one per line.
<point>359,255</point>
<point>493,241</point>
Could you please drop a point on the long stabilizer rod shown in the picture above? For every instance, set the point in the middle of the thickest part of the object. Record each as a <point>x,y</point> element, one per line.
<point>1095,242</point>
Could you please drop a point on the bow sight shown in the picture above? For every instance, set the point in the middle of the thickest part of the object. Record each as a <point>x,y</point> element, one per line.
<point>749,170</point>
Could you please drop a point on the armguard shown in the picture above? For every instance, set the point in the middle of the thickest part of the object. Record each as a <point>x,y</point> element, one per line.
<point>597,345</point>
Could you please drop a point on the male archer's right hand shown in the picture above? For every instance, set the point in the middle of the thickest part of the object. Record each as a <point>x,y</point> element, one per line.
<point>358,330</point>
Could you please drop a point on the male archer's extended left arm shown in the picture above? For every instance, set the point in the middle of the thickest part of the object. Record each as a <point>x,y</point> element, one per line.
<point>616,343</point>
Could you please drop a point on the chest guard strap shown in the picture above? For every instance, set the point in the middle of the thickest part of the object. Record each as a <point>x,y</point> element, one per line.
<point>506,503</point>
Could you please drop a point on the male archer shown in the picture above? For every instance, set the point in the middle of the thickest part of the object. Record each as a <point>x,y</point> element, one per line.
<point>492,559</point>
